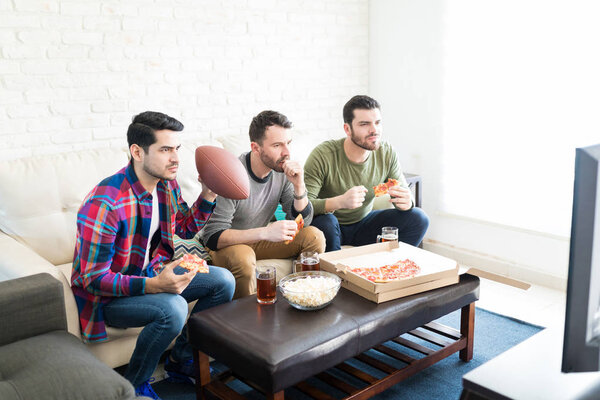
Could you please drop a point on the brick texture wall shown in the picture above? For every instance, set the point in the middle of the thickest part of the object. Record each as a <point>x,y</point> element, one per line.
<point>73,72</point>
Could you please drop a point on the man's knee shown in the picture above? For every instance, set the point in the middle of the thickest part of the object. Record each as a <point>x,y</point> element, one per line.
<point>327,223</point>
<point>413,225</point>
<point>174,313</point>
<point>330,226</point>
<point>226,282</point>
<point>312,239</point>
<point>420,218</point>
<point>239,259</point>
<point>414,218</point>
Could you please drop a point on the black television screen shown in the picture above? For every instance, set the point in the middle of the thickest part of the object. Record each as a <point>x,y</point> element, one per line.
<point>581,352</point>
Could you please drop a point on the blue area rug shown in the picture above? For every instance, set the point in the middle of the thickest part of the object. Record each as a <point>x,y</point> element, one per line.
<point>494,334</point>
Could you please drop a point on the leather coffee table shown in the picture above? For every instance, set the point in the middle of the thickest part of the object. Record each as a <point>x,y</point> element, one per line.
<point>274,347</point>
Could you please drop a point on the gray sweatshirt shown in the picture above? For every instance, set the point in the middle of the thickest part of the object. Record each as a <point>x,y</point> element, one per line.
<point>257,210</point>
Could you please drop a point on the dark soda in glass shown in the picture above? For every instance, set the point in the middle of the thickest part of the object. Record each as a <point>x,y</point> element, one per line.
<point>265,288</point>
<point>311,264</point>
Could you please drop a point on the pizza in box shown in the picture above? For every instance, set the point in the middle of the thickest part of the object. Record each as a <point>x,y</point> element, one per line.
<point>401,269</point>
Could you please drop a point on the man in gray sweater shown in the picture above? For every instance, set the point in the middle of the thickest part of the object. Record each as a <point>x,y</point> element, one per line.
<point>239,233</point>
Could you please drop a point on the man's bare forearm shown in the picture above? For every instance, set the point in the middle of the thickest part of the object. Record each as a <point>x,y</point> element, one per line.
<point>230,237</point>
<point>332,204</point>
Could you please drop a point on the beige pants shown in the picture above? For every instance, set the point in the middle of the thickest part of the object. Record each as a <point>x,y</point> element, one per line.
<point>240,259</point>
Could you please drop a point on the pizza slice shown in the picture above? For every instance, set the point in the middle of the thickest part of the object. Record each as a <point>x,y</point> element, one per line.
<point>402,269</point>
<point>383,188</point>
<point>372,274</point>
<point>299,225</point>
<point>193,263</point>
<point>380,189</point>
<point>391,183</point>
<point>406,268</point>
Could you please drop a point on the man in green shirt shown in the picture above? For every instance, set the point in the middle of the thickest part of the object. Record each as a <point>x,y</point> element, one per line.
<point>340,176</point>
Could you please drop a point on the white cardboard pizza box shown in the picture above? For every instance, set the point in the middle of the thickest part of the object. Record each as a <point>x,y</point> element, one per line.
<point>398,293</point>
<point>436,271</point>
<point>433,266</point>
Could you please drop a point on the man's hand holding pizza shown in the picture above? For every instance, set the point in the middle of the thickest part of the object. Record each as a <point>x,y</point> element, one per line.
<point>167,281</point>
<point>280,231</point>
<point>401,197</point>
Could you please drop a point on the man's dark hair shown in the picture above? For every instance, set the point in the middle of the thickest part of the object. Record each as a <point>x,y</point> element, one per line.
<point>142,128</point>
<point>262,121</point>
<point>360,102</point>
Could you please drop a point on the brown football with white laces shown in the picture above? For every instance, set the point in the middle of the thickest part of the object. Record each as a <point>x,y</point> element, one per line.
<point>222,172</point>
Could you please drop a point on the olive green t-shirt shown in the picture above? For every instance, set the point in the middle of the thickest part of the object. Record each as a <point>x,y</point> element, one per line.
<point>328,173</point>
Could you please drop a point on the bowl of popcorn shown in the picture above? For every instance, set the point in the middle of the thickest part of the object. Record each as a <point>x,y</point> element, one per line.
<point>310,290</point>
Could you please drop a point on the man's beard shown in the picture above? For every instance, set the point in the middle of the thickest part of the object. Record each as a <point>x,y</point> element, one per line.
<point>274,165</point>
<point>364,144</point>
<point>152,172</point>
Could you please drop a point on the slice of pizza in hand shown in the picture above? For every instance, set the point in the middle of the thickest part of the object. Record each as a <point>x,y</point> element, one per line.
<point>383,188</point>
<point>299,225</point>
<point>380,189</point>
<point>391,183</point>
<point>193,263</point>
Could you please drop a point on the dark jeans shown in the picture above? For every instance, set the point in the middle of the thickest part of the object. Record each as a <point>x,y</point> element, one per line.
<point>412,225</point>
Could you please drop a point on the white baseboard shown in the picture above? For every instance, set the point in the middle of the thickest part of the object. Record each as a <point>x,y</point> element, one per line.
<point>496,265</point>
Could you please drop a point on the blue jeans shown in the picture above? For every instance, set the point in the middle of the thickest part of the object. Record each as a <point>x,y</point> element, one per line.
<point>411,224</point>
<point>164,316</point>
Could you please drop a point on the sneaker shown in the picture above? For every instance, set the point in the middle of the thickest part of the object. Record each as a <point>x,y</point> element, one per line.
<point>145,389</point>
<point>182,372</point>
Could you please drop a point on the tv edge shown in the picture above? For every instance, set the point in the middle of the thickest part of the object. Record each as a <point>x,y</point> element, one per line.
<point>581,352</point>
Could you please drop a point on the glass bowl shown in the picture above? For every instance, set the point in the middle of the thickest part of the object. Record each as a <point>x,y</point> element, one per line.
<point>310,290</point>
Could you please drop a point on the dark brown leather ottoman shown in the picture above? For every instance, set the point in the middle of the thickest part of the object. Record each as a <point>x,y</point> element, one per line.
<point>274,347</point>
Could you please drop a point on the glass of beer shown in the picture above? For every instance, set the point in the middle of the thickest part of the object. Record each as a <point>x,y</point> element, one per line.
<point>265,284</point>
<point>388,234</point>
<point>309,261</point>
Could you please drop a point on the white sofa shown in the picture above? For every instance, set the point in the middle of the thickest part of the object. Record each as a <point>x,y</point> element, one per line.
<point>39,199</point>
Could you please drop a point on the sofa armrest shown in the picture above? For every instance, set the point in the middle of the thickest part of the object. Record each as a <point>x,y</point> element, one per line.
<point>30,306</point>
<point>17,260</point>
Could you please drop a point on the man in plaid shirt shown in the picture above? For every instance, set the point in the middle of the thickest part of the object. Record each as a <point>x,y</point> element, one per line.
<point>123,275</point>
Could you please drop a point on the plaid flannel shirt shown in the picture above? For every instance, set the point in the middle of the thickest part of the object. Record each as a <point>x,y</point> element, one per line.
<point>113,225</point>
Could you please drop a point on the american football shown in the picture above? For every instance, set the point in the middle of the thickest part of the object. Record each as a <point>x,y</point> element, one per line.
<point>222,172</point>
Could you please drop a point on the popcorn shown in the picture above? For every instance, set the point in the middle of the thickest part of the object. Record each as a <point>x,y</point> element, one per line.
<point>310,291</point>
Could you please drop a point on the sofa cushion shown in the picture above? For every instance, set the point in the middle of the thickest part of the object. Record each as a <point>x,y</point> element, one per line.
<point>193,246</point>
<point>57,365</point>
<point>39,197</point>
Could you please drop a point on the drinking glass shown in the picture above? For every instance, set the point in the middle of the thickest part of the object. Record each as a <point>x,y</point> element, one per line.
<point>388,234</point>
<point>266,292</point>
<point>308,261</point>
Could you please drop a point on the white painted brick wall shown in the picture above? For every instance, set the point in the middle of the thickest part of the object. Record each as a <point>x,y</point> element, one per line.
<point>74,72</point>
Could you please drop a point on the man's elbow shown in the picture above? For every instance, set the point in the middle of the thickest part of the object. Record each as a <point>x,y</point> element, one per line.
<point>214,242</point>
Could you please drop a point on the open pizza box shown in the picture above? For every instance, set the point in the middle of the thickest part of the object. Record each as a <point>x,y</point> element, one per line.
<point>435,270</point>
